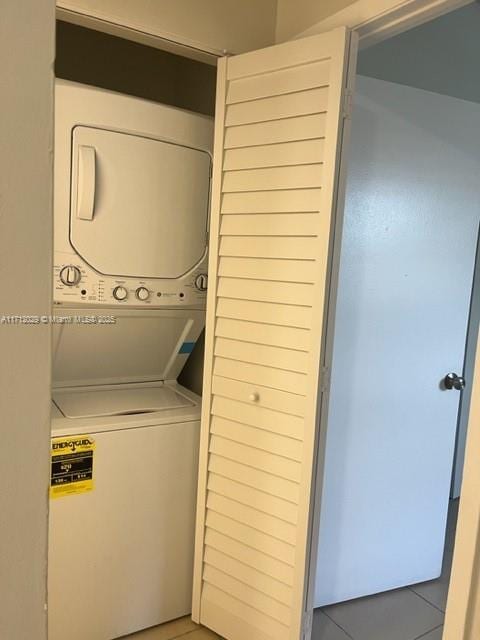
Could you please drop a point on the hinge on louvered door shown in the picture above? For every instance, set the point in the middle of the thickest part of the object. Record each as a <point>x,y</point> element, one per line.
<point>348,104</point>
<point>307,625</point>
<point>325,380</point>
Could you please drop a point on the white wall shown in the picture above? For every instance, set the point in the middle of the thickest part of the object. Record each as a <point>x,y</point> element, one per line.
<point>231,25</point>
<point>26,135</point>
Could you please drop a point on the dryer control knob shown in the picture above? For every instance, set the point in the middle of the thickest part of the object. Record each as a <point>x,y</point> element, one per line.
<point>120,293</point>
<point>201,282</point>
<point>70,275</point>
<point>142,293</point>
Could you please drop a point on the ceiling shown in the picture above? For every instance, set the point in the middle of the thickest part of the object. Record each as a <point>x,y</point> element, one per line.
<point>442,56</point>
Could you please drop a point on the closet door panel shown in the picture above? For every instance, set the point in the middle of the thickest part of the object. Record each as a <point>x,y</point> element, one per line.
<point>279,122</point>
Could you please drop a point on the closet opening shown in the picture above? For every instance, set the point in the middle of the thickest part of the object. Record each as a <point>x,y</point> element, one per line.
<point>132,168</point>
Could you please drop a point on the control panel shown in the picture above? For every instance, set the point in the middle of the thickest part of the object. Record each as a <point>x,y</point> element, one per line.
<point>75,282</point>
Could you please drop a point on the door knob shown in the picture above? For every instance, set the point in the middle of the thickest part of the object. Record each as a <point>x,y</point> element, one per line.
<point>454,381</point>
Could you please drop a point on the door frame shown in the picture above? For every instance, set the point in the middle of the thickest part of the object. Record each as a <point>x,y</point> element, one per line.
<point>377,20</point>
<point>374,21</point>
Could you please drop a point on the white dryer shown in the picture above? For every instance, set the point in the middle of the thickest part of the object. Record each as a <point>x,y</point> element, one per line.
<point>131,197</point>
<point>131,228</point>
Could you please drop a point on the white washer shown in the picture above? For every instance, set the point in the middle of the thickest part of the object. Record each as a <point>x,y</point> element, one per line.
<point>121,553</point>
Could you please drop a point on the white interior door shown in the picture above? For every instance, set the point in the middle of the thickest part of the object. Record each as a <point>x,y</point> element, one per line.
<point>278,131</point>
<point>408,251</point>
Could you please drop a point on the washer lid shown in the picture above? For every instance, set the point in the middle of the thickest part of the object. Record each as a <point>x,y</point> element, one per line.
<point>139,206</point>
<point>140,346</point>
<point>95,403</point>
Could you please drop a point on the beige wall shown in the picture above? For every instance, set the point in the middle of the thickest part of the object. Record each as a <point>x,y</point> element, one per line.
<point>26,135</point>
<point>233,25</point>
<point>295,16</point>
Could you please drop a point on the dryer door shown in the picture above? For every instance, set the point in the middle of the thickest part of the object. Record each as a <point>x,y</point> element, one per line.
<point>139,206</point>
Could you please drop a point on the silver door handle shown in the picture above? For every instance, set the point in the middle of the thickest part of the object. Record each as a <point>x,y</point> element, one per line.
<point>454,381</point>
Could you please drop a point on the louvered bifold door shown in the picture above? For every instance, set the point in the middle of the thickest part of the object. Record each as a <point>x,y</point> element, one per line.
<point>278,124</point>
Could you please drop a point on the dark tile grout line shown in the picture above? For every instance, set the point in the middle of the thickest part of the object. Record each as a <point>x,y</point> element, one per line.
<point>187,633</point>
<point>427,601</point>
<point>336,624</point>
<point>427,632</point>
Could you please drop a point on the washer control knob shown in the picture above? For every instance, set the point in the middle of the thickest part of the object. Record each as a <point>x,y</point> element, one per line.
<point>70,275</point>
<point>142,293</point>
<point>201,282</point>
<point>120,293</point>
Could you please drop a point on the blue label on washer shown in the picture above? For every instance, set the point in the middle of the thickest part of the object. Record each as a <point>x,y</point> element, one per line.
<point>187,347</point>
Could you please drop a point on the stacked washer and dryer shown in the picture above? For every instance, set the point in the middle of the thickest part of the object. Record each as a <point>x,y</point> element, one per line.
<point>132,185</point>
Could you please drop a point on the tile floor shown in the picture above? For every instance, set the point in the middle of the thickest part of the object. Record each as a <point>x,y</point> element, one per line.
<point>413,613</point>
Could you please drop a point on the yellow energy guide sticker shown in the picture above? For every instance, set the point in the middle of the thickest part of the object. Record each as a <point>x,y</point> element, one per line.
<point>72,466</point>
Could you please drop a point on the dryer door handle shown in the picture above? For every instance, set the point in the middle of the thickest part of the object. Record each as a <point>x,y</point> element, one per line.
<point>86,183</point>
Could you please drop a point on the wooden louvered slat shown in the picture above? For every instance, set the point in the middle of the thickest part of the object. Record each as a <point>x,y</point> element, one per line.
<point>282,315</point>
<point>265,334</point>
<point>258,438</point>
<point>279,270</point>
<point>262,291</point>
<point>256,599</point>
<point>274,189</point>
<point>256,458</point>
<point>291,403</point>
<point>228,547</point>
<point>308,76</point>
<point>257,374</point>
<point>299,128</point>
<point>264,627</point>
<point>272,356</point>
<point>270,224</point>
<point>268,247</point>
<point>277,107</point>
<point>272,178</point>
<point>260,417</point>
<point>274,155</point>
<point>251,536</point>
<point>281,201</point>
<point>290,54</point>
<point>249,575</point>
<point>251,497</point>
<point>261,480</point>
<point>254,518</point>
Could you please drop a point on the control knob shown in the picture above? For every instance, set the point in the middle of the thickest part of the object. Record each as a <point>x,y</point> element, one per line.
<point>70,275</point>
<point>120,293</point>
<point>142,293</point>
<point>201,282</point>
